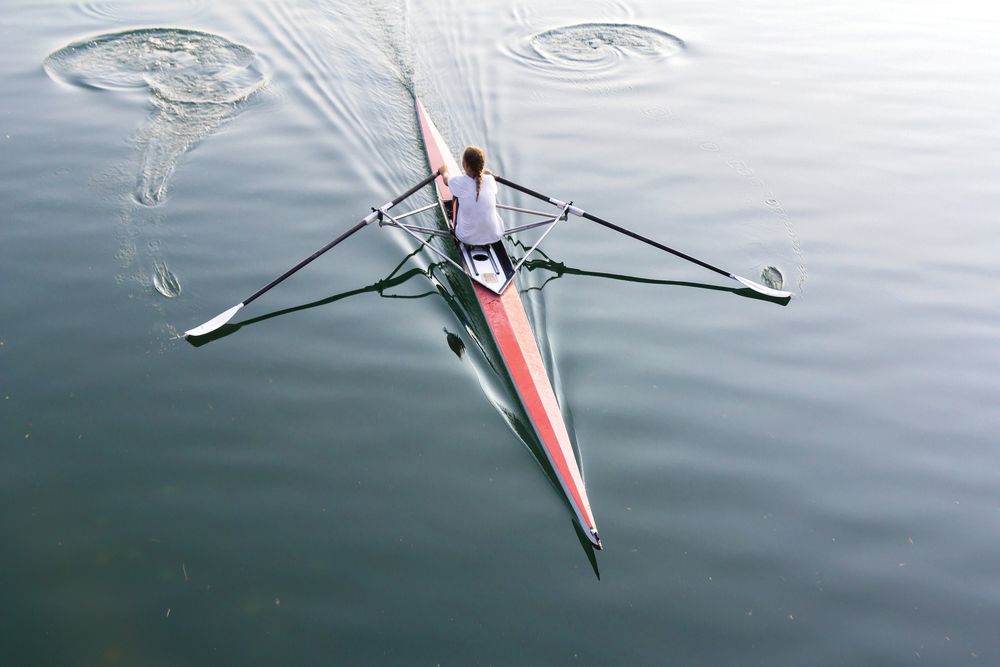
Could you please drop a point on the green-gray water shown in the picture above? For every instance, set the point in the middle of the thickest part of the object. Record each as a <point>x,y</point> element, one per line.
<point>809,484</point>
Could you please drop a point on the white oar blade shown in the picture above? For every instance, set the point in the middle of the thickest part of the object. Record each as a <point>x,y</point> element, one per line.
<point>214,323</point>
<point>769,291</point>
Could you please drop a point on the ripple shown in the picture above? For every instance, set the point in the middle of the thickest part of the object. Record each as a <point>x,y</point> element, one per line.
<point>198,81</point>
<point>164,280</point>
<point>141,10</point>
<point>595,47</point>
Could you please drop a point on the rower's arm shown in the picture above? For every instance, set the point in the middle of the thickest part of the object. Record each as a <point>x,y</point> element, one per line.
<point>445,174</point>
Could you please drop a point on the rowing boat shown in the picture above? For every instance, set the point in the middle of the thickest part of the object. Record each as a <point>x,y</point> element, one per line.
<point>492,273</point>
<point>501,304</point>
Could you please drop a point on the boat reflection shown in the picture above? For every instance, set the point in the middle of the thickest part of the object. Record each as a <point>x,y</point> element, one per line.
<point>457,291</point>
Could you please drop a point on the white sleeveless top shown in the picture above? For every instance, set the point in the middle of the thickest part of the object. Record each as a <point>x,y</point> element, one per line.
<point>478,222</point>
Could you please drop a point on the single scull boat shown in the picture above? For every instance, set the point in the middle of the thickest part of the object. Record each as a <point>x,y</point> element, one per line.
<point>504,312</point>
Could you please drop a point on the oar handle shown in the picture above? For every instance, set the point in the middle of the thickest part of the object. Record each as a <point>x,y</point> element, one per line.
<point>611,225</point>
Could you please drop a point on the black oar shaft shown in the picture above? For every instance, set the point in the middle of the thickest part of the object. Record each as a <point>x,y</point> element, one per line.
<point>617,228</point>
<point>516,186</point>
<point>337,240</point>
<point>286,274</point>
<point>413,189</point>
<point>656,244</point>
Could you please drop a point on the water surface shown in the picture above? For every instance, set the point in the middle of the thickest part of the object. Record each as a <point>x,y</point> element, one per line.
<point>810,484</point>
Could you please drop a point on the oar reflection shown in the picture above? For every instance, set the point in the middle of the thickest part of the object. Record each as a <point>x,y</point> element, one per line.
<point>546,263</point>
<point>378,287</point>
<point>559,269</point>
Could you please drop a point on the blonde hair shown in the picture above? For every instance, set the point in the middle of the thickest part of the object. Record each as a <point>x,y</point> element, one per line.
<point>474,160</point>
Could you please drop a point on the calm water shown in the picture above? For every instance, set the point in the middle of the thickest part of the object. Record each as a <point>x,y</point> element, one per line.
<point>810,484</point>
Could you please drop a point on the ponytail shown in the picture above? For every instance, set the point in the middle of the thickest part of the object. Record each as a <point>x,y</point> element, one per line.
<point>474,159</point>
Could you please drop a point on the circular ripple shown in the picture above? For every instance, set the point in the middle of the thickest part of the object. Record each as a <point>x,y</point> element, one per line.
<point>184,66</point>
<point>198,81</point>
<point>596,47</point>
<point>141,10</point>
<point>772,277</point>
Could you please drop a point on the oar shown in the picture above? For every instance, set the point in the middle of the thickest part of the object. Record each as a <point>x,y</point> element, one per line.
<point>224,317</point>
<point>757,287</point>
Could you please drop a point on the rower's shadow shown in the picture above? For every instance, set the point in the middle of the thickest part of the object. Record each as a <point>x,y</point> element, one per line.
<point>448,286</point>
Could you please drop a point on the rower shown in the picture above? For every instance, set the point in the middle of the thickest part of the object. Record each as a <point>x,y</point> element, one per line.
<point>478,222</point>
